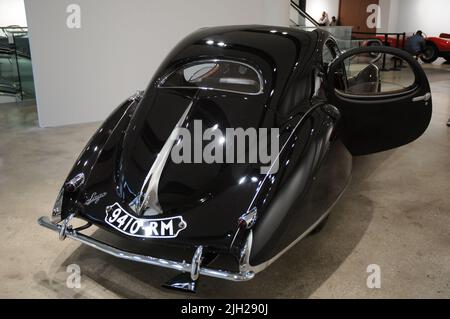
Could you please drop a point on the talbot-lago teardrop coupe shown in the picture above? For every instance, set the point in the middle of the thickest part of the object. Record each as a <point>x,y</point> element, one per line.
<point>228,220</point>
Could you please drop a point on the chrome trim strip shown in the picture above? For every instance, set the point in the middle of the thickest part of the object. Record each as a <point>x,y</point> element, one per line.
<point>256,269</point>
<point>150,203</point>
<point>180,266</point>
<point>202,88</point>
<point>378,96</point>
<point>300,121</point>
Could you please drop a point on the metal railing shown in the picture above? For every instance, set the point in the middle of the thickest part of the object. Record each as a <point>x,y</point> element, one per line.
<point>302,20</point>
<point>16,76</point>
<point>391,39</point>
<point>387,38</point>
<point>303,14</point>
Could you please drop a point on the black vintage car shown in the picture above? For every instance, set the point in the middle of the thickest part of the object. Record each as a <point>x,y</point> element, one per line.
<point>229,220</point>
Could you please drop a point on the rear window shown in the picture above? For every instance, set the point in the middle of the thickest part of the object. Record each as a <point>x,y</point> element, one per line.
<point>221,75</point>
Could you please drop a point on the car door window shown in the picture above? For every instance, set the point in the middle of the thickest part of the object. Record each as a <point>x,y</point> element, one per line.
<point>369,75</point>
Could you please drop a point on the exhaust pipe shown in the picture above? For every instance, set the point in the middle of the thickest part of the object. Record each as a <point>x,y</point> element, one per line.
<point>182,282</point>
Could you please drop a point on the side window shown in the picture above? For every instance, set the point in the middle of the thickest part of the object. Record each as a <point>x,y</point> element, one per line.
<point>221,75</point>
<point>367,74</point>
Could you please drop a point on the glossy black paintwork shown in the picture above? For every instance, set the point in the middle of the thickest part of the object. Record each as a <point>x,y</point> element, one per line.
<point>375,123</point>
<point>314,166</point>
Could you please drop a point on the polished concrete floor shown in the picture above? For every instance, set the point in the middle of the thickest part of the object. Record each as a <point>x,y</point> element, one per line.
<point>395,214</point>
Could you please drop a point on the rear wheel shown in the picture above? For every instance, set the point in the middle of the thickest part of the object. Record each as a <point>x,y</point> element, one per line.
<point>430,53</point>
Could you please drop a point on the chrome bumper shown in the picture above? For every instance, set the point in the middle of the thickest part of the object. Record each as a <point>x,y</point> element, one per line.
<point>194,268</point>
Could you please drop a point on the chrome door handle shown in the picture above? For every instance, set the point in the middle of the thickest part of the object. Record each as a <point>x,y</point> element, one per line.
<point>425,98</point>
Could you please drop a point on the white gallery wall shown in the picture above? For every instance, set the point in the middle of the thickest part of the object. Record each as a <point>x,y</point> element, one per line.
<point>389,10</point>
<point>430,16</point>
<point>315,8</point>
<point>82,74</point>
<point>12,12</point>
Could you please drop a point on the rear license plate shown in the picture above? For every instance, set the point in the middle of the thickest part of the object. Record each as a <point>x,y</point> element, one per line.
<point>120,219</point>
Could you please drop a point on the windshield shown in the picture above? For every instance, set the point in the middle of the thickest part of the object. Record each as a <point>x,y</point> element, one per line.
<point>221,75</point>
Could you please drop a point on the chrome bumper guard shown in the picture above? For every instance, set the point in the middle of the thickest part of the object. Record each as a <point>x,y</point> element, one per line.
<point>194,268</point>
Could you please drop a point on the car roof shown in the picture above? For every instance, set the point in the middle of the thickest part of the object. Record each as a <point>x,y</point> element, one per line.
<point>276,51</point>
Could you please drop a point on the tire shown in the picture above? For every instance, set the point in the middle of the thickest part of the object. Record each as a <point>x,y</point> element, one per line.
<point>430,53</point>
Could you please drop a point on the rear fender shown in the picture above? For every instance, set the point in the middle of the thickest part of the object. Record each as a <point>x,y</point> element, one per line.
<point>91,152</point>
<point>298,166</point>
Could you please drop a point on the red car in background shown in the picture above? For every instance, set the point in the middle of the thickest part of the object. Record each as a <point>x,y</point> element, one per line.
<point>435,47</point>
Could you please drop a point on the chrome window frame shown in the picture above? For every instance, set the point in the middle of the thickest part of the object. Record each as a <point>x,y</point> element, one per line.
<point>258,73</point>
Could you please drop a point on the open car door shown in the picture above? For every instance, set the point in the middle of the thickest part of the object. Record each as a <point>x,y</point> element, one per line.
<point>384,96</point>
